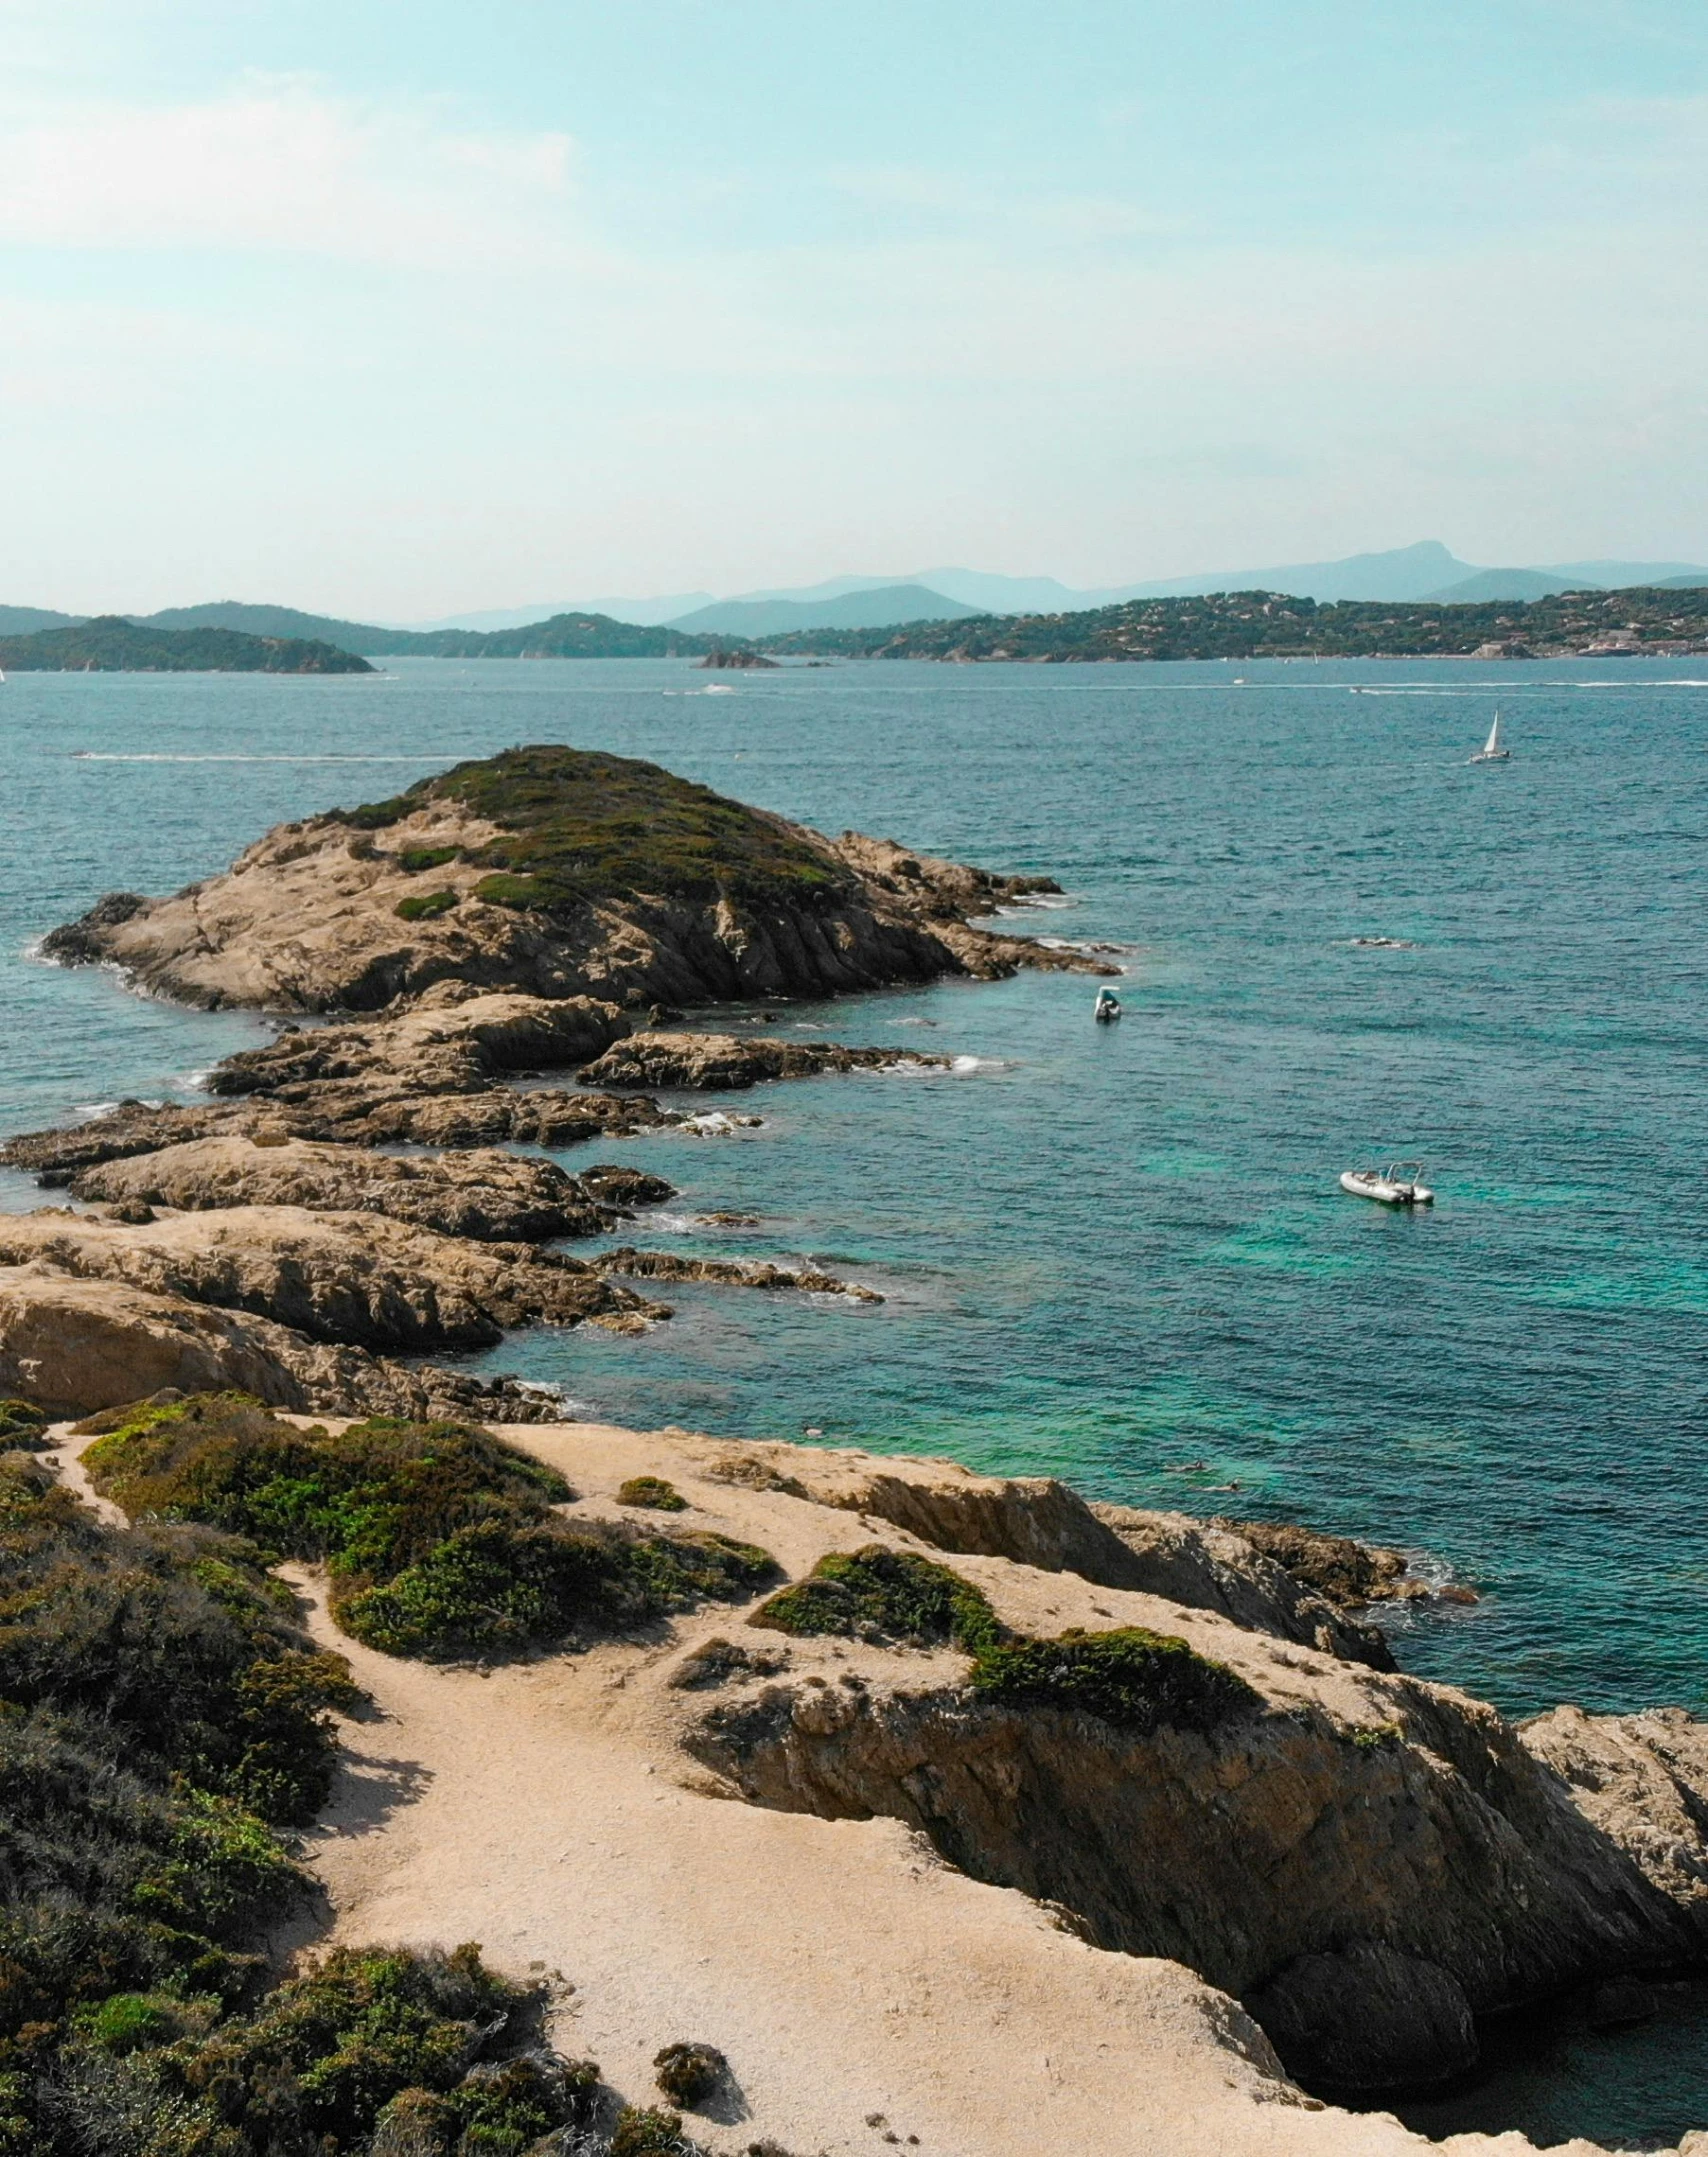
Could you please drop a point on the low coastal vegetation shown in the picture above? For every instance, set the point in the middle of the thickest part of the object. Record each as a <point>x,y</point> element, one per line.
<point>1265,625</point>
<point>1131,1678</point>
<point>440,1540</point>
<point>577,824</point>
<point>653,1494</point>
<point>23,1426</point>
<point>111,645</point>
<point>883,1594</point>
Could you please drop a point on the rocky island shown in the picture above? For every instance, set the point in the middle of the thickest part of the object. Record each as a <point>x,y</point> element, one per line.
<point>802,1801</point>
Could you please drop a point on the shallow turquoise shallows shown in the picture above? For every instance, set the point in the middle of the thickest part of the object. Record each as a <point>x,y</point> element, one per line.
<point>1117,1252</point>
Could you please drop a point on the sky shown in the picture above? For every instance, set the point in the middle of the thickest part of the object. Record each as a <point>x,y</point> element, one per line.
<point>390,308</point>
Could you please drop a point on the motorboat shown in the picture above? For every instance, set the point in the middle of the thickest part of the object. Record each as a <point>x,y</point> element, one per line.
<point>1491,752</point>
<point>1107,1007</point>
<point>1399,1184</point>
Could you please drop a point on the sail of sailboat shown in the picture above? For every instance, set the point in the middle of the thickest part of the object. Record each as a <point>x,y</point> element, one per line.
<point>1491,752</point>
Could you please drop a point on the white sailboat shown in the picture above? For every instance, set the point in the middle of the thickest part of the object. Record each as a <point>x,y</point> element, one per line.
<point>1491,752</point>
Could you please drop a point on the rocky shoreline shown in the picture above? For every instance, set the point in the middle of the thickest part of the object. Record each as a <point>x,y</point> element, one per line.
<point>1361,1866</point>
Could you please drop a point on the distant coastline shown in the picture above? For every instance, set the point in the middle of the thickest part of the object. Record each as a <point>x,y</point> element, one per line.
<point>111,645</point>
<point>1656,621</point>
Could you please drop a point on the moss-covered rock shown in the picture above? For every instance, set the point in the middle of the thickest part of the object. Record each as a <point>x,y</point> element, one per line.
<point>427,907</point>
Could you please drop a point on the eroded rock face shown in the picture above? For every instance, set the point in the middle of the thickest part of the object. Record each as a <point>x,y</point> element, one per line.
<point>344,1113</point>
<point>353,913</point>
<point>77,1345</point>
<point>1259,1854</point>
<point>725,1062</point>
<point>1209,1567</point>
<point>1643,1780</point>
<point>491,1196</point>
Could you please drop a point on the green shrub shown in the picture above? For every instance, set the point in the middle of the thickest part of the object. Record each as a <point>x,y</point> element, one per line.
<point>651,2132</point>
<point>328,2053</point>
<point>126,2021</point>
<point>498,1586</point>
<point>426,907</point>
<point>374,815</point>
<point>440,1538</point>
<point>879,1593</point>
<point>23,1426</point>
<point>1134,1679</point>
<point>414,859</point>
<point>654,1492</point>
<point>174,1638</point>
<point>689,2073</point>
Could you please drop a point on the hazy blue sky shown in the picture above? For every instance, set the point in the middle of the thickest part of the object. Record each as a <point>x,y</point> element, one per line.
<point>397,306</point>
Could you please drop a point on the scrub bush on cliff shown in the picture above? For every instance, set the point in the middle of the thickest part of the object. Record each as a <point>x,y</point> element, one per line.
<point>441,1540</point>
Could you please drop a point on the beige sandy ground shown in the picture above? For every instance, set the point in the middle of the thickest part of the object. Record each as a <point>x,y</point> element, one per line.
<point>865,1993</point>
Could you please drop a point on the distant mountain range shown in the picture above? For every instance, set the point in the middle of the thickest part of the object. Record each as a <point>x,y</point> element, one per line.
<point>867,609</point>
<point>1427,571</point>
<point>688,623</point>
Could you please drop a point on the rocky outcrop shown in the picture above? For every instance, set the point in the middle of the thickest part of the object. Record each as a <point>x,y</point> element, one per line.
<point>354,1278</point>
<point>560,873</point>
<point>719,656</point>
<point>1039,1522</point>
<point>370,1280</point>
<point>76,1345</point>
<point>1345,1573</point>
<point>1643,1780</point>
<point>452,1040</point>
<point>491,1196</point>
<point>1209,1567</point>
<point>724,1062</point>
<point>344,1116</point>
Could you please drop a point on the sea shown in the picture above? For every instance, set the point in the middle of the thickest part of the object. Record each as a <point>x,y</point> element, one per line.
<point>1120,1254</point>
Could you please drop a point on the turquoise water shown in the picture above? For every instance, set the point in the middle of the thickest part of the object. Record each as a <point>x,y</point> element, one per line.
<point>1112,1253</point>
